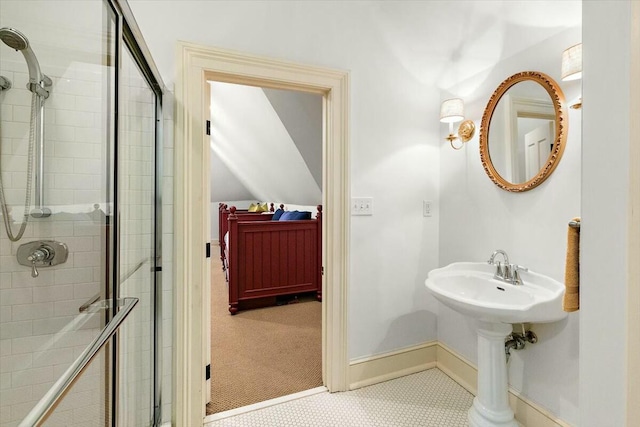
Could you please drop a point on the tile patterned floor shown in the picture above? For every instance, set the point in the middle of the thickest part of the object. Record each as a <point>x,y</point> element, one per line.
<point>428,398</point>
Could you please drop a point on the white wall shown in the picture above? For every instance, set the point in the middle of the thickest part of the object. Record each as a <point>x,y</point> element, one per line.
<point>393,160</point>
<point>394,141</point>
<point>477,217</point>
<point>609,58</point>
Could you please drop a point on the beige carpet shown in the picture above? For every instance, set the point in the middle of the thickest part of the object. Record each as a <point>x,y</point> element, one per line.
<point>262,353</point>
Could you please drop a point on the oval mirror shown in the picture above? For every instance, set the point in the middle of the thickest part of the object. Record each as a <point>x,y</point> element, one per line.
<point>523,131</point>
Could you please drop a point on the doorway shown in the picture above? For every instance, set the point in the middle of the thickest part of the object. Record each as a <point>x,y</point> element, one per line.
<point>197,65</point>
<point>266,145</point>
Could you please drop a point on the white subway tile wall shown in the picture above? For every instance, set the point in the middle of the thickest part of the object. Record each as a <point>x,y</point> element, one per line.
<point>41,330</point>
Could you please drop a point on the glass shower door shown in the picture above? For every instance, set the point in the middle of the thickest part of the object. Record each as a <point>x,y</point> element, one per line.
<point>49,316</point>
<point>82,333</point>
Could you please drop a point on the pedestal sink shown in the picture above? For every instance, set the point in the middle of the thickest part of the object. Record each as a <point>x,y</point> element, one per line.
<point>471,289</point>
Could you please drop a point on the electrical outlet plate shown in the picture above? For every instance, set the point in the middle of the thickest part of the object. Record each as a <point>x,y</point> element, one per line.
<point>427,208</point>
<point>362,206</point>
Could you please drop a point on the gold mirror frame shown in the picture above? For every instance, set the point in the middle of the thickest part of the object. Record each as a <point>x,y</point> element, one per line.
<point>557,98</point>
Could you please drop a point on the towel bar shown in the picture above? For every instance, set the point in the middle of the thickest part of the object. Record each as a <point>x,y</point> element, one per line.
<point>574,224</point>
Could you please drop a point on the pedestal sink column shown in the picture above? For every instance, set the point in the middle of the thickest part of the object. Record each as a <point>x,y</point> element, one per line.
<point>491,405</point>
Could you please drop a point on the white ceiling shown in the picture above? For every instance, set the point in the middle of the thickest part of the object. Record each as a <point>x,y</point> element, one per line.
<point>446,42</point>
<point>441,43</point>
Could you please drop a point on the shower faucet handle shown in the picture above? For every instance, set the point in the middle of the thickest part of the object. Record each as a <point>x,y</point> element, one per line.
<point>42,253</point>
<point>34,270</point>
<point>40,256</point>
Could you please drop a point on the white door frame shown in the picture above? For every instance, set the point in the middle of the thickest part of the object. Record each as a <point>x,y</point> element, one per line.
<point>197,64</point>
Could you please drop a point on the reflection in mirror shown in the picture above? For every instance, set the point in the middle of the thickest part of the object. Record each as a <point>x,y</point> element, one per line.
<point>523,131</point>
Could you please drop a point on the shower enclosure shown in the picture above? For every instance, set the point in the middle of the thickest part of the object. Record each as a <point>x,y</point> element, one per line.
<point>81,271</point>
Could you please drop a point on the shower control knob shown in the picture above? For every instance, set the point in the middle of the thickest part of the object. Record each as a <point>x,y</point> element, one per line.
<point>42,253</point>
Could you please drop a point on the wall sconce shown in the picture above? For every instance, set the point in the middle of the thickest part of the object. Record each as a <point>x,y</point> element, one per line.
<point>452,111</point>
<point>572,68</point>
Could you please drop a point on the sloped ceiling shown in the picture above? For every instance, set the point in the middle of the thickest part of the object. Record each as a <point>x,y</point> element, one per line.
<point>301,115</point>
<point>265,152</point>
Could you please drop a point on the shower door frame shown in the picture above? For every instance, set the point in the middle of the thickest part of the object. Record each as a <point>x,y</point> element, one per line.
<point>130,37</point>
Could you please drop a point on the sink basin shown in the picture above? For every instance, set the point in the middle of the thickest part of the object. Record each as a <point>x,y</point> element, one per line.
<point>470,289</point>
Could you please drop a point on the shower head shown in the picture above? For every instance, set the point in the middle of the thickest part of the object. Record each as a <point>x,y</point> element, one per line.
<point>18,41</point>
<point>14,38</point>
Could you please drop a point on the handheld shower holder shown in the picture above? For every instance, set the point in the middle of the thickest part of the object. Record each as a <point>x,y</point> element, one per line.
<point>40,89</point>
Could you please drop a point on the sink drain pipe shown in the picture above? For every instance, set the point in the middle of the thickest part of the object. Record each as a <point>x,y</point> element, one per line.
<point>517,341</point>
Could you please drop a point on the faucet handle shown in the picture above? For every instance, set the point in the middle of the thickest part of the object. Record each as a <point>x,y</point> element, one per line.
<point>509,270</point>
<point>500,270</point>
<point>515,277</point>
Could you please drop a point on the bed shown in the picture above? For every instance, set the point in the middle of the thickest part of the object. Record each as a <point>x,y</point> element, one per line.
<point>266,259</point>
<point>223,215</point>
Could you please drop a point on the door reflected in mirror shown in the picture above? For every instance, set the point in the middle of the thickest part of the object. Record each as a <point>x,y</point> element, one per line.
<point>523,131</point>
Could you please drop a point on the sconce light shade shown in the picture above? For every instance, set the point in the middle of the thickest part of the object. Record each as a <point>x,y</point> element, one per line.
<point>452,110</point>
<point>572,63</point>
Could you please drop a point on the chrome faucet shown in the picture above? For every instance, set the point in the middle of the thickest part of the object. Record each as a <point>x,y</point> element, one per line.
<point>509,273</point>
<point>499,252</point>
<point>500,269</point>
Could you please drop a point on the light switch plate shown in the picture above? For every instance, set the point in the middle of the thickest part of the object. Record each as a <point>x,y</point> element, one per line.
<point>362,206</point>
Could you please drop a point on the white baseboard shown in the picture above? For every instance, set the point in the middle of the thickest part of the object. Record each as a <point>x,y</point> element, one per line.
<point>384,367</point>
<point>458,368</point>
<point>262,405</point>
<point>395,364</point>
